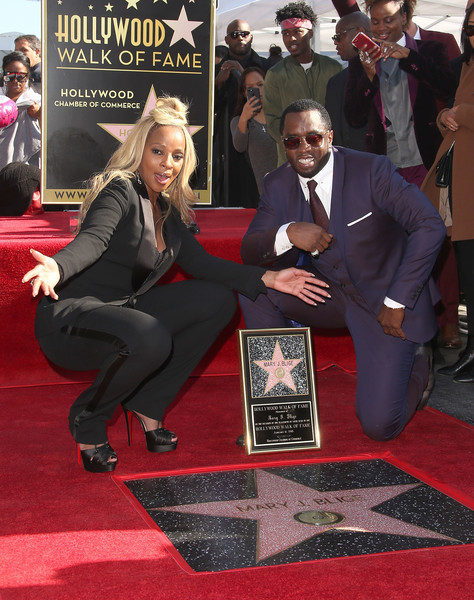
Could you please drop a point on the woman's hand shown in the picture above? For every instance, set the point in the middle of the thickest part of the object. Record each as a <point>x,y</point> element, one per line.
<point>251,108</point>
<point>369,56</point>
<point>389,49</point>
<point>44,276</point>
<point>33,110</point>
<point>448,119</point>
<point>299,283</point>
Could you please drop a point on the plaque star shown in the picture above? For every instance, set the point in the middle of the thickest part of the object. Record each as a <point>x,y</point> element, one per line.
<point>108,7</point>
<point>182,28</point>
<point>132,4</point>
<point>155,1</point>
<point>120,130</point>
<point>288,513</point>
<point>278,369</point>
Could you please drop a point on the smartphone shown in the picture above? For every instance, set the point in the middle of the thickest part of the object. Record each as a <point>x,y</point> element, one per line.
<point>253,92</point>
<point>361,40</point>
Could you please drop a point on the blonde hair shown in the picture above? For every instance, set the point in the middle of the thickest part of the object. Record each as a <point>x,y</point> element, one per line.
<point>125,161</point>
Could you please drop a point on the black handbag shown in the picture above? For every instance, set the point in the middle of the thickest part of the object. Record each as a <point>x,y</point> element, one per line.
<point>444,168</point>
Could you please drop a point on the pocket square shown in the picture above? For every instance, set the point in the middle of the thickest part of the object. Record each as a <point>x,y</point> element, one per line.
<point>361,219</point>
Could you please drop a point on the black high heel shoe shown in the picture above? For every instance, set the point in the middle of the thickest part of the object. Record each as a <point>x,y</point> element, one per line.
<point>157,440</point>
<point>96,460</point>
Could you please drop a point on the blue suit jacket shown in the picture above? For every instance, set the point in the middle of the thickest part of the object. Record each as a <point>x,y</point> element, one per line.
<point>388,232</point>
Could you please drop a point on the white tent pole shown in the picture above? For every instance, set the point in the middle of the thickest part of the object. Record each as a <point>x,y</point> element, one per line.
<point>316,41</point>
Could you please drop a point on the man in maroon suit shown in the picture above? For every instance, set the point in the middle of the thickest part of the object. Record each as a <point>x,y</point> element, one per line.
<point>373,238</point>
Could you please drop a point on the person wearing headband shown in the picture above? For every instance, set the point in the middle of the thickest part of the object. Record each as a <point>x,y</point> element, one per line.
<point>354,222</point>
<point>302,74</point>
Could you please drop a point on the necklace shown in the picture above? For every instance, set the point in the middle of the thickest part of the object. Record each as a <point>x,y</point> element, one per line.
<point>262,125</point>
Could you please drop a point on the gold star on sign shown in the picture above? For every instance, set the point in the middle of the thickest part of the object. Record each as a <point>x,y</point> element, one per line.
<point>132,4</point>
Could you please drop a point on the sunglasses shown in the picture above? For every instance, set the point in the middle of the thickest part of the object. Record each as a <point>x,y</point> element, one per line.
<point>11,76</point>
<point>469,30</point>
<point>235,34</point>
<point>293,141</point>
<point>337,37</point>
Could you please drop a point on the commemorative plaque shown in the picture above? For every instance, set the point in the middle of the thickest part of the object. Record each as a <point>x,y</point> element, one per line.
<point>278,390</point>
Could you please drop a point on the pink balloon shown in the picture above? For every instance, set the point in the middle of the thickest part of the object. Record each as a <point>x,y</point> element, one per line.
<point>8,111</point>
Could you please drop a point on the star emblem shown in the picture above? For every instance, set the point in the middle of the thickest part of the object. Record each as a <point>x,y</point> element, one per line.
<point>278,369</point>
<point>120,130</point>
<point>182,28</point>
<point>108,7</point>
<point>132,4</point>
<point>288,513</point>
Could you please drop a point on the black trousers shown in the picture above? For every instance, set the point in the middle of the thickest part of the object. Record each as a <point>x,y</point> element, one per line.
<point>144,354</point>
<point>465,260</point>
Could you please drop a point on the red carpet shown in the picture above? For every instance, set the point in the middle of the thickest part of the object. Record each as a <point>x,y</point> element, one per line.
<point>68,534</point>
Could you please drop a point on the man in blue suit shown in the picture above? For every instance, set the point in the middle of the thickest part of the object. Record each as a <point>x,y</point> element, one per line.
<point>374,242</point>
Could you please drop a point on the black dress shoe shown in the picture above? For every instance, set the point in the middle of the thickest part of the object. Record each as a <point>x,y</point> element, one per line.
<point>426,350</point>
<point>466,375</point>
<point>466,358</point>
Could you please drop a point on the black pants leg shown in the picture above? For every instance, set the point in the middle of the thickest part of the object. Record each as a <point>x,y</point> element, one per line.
<point>465,259</point>
<point>144,354</point>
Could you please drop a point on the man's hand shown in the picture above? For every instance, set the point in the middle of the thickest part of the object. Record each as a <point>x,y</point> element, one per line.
<point>226,69</point>
<point>391,320</point>
<point>308,236</point>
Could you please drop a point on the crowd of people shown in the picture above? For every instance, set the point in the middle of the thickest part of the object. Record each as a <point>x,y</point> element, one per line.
<point>360,180</point>
<point>20,139</point>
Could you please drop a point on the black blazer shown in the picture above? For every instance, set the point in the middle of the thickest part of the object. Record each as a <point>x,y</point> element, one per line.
<point>114,258</point>
<point>344,133</point>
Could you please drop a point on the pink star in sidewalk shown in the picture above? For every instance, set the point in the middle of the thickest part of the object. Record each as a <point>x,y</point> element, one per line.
<point>288,513</point>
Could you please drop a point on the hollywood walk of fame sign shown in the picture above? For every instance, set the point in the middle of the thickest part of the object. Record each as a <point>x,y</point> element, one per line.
<point>278,390</point>
<point>312,510</point>
<point>104,64</point>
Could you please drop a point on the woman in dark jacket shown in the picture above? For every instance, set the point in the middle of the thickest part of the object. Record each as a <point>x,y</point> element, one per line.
<point>102,309</point>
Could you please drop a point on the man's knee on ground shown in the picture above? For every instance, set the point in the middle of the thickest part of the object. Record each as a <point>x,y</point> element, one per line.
<point>381,430</point>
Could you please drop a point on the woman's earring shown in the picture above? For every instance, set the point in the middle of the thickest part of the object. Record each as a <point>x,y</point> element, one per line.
<point>139,179</point>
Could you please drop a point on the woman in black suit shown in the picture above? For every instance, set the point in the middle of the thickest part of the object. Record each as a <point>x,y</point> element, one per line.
<point>101,308</point>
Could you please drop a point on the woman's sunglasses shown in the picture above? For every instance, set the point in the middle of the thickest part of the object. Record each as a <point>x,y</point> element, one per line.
<point>11,76</point>
<point>293,141</point>
<point>469,30</point>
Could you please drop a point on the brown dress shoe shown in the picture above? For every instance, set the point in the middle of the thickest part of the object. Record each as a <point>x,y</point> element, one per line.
<point>450,337</point>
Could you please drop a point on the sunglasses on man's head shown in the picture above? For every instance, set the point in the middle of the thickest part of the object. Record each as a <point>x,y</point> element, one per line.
<point>235,34</point>
<point>469,30</point>
<point>293,141</point>
<point>11,76</point>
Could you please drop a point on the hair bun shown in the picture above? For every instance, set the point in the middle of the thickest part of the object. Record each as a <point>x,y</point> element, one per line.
<point>172,110</point>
